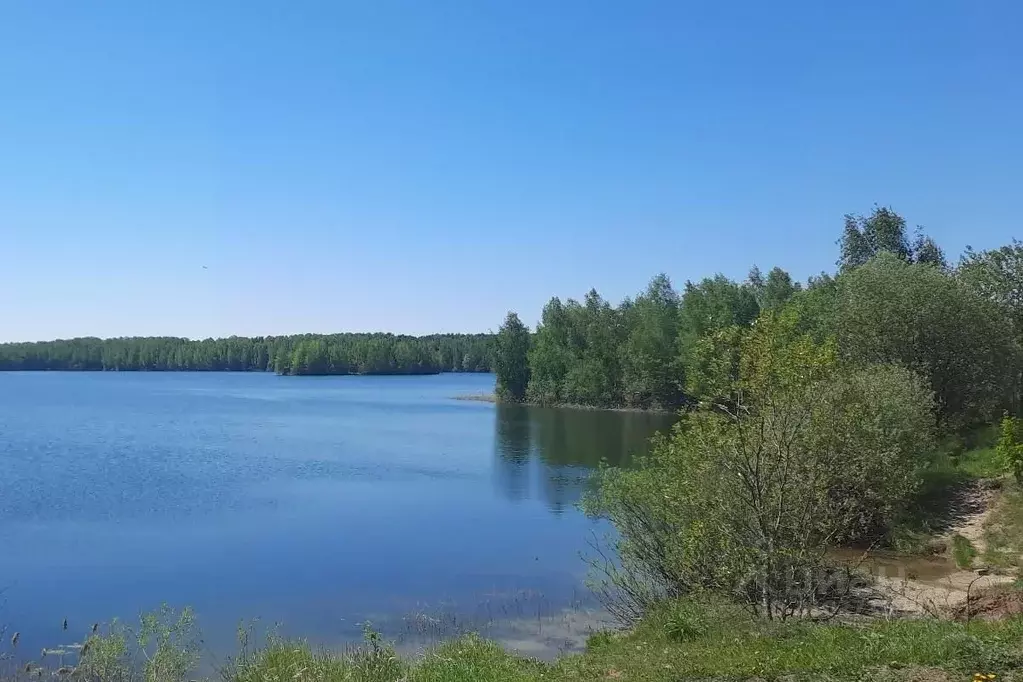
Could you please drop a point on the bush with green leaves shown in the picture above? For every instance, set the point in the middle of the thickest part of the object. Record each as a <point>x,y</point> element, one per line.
<point>917,315</point>
<point>164,647</point>
<point>1009,447</point>
<point>748,492</point>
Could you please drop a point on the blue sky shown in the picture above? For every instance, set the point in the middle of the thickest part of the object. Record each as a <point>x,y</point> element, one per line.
<point>427,166</point>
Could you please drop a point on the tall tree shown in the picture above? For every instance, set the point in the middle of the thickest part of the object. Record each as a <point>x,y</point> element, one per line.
<point>774,290</point>
<point>651,375</point>
<point>920,317</point>
<point>551,355</point>
<point>511,360</point>
<point>865,237</point>
<point>594,377</point>
<point>707,309</point>
<point>997,275</point>
<point>926,250</point>
<point>884,231</point>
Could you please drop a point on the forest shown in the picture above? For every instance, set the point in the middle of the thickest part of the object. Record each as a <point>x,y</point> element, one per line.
<point>305,354</point>
<point>835,413</point>
<point>893,297</point>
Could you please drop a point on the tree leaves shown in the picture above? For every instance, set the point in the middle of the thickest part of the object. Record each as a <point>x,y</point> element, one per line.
<point>511,359</point>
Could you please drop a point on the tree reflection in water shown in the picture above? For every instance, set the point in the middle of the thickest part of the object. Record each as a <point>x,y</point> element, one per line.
<point>548,453</point>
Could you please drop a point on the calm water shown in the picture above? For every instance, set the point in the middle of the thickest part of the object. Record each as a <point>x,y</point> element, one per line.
<point>316,503</point>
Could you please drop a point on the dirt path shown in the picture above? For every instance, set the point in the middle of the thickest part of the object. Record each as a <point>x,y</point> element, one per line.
<point>943,594</point>
<point>980,500</point>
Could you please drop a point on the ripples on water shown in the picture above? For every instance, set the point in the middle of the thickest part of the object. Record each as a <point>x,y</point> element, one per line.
<point>314,502</point>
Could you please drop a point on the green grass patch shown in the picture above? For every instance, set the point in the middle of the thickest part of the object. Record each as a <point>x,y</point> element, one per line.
<point>468,659</point>
<point>684,641</point>
<point>1003,533</point>
<point>981,463</point>
<point>733,646</point>
<point>955,464</point>
<point>963,551</point>
<point>286,660</point>
<point>961,459</point>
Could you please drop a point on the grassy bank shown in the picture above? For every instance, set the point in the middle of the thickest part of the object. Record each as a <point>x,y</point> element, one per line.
<point>1003,532</point>
<point>951,488</point>
<point>686,642</point>
<point>682,640</point>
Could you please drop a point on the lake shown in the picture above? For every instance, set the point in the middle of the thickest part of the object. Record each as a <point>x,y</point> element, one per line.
<point>311,503</point>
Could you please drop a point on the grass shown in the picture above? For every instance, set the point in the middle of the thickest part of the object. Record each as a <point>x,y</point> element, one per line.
<point>1003,533</point>
<point>735,647</point>
<point>684,641</point>
<point>963,551</point>
<point>981,463</point>
<point>953,467</point>
<point>960,460</point>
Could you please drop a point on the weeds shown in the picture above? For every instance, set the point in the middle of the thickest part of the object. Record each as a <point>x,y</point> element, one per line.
<point>1003,533</point>
<point>963,551</point>
<point>163,648</point>
<point>685,622</point>
<point>680,640</point>
<point>733,646</point>
<point>283,661</point>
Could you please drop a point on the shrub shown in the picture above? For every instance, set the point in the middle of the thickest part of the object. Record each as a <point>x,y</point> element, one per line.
<point>963,551</point>
<point>747,494</point>
<point>1009,448</point>
<point>164,648</point>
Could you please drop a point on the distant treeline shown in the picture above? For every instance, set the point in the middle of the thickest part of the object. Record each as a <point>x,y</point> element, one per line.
<point>297,355</point>
<point>893,299</point>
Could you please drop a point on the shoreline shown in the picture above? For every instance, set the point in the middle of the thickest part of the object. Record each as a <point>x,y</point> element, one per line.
<point>948,594</point>
<point>493,399</point>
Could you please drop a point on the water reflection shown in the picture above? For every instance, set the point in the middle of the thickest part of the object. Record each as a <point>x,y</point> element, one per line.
<point>549,453</point>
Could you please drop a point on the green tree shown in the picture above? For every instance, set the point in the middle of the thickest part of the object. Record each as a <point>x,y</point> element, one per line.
<point>594,376</point>
<point>816,306</point>
<point>884,231</point>
<point>651,375</point>
<point>777,290</point>
<point>511,361</point>
<point>1009,447</point>
<point>743,500</point>
<point>927,251</point>
<point>550,355</point>
<point>889,311</point>
<point>997,275</point>
<point>706,312</point>
<point>865,237</point>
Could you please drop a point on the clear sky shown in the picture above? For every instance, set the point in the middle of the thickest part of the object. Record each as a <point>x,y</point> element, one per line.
<point>208,167</point>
